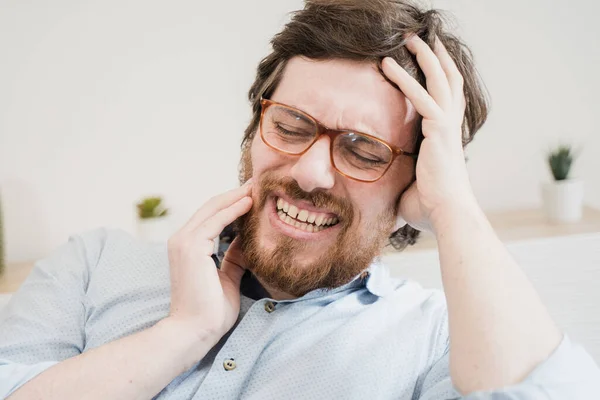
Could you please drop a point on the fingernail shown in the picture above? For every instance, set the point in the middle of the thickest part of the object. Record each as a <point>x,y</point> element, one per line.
<point>409,35</point>
<point>390,61</point>
<point>248,182</point>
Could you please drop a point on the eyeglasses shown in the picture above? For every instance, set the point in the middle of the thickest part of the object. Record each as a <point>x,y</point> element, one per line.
<point>355,155</point>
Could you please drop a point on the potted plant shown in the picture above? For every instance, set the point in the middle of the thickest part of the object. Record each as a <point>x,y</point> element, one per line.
<point>563,198</point>
<point>153,224</point>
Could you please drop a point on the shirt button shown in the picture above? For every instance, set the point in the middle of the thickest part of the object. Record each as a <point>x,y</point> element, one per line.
<point>269,307</point>
<point>229,364</point>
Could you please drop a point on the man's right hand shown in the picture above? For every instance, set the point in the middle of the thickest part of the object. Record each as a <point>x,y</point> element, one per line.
<point>205,301</point>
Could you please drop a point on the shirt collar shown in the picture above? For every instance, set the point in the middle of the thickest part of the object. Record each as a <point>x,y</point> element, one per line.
<point>377,279</point>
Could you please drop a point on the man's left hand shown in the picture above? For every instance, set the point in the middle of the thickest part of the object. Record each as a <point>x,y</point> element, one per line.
<point>442,183</point>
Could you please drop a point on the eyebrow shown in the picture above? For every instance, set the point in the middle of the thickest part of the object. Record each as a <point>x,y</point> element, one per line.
<point>298,114</point>
<point>365,130</point>
<point>363,139</point>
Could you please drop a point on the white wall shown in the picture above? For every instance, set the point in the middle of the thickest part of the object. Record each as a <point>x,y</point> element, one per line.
<point>104,102</point>
<point>540,62</point>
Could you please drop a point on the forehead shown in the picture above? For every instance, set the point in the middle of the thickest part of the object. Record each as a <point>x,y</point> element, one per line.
<point>344,94</point>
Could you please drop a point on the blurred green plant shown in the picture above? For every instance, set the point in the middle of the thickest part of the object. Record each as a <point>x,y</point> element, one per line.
<point>560,161</point>
<point>151,207</point>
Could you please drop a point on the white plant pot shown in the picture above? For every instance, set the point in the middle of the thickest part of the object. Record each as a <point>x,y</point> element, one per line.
<point>154,230</point>
<point>563,200</point>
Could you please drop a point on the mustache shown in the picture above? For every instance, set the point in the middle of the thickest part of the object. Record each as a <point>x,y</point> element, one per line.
<point>319,198</point>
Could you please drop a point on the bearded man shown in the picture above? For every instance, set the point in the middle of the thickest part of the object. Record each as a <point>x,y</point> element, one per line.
<point>361,114</point>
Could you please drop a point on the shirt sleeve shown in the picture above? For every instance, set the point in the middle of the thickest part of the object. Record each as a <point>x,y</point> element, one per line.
<point>44,322</point>
<point>568,373</point>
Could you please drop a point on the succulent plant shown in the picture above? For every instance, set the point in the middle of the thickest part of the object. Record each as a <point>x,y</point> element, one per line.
<point>151,207</point>
<point>560,161</point>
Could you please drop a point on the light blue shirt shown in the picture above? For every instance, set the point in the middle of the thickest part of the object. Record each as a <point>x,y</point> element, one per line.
<point>374,338</point>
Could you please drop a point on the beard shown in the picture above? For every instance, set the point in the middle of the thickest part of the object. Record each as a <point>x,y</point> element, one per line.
<point>281,268</point>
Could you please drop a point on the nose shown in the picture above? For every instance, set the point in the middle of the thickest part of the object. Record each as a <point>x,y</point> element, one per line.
<point>313,169</point>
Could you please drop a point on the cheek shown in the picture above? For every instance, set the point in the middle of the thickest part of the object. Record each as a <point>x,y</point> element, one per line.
<point>370,201</point>
<point>398,178</point>
<point>264,158</point>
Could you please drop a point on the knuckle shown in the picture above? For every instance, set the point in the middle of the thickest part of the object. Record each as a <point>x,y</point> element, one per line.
<point>173,242</point>
<point>459,79</point>
<point>178,243</point>
<point>212,200</point>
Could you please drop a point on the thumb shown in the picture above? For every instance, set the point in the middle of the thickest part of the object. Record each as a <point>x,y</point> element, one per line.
<point>234,264</point>
<point>410,209</point>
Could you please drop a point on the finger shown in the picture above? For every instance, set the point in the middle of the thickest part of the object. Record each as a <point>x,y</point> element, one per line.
<point>216,204</point>
<point>418,96</point>
<point>214,225</point>
<point>436,80</point>
<point>234,254</point>
<point>455,78</point>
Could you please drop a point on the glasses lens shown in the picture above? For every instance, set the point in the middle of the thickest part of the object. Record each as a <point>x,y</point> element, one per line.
<point>360,156</point>
<point>287,130</point>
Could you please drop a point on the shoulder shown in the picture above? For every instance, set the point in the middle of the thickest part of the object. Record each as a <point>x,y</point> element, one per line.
<point>424,310</point>
<point>116,246</point>
<point>100,239</point>
<point>429,304</point>
<point>403,293</point>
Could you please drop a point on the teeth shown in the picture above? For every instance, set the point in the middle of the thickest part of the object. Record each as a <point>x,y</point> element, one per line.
<point>293,211</point>
<point>281,215</point>
<point>319,220</point>
<point>303,215</point>
<point>291,215</point>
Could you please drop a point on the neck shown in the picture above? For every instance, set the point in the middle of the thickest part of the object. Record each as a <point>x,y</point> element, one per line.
<point>274,293</point>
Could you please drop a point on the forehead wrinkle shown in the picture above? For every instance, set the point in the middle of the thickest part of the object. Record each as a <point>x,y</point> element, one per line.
<point>324,117</point>
<point>330,96</point>
<point>341,122</point>
<point>358,126</point>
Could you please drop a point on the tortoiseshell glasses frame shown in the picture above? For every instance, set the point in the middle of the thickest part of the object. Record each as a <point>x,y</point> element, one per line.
<point>321,129</point>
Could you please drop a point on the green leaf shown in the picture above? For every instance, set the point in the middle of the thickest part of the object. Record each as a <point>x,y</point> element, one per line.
<point>151,207</point>
<point>560,161</point>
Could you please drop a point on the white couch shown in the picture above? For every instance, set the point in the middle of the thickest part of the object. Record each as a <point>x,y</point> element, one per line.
<point>564,270</point>
<point>4,299</point>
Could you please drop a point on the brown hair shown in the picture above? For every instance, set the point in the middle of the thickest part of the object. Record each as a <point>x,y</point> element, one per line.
<point>368,31</point>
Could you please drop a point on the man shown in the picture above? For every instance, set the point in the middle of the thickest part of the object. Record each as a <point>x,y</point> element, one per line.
<point>300,307</point>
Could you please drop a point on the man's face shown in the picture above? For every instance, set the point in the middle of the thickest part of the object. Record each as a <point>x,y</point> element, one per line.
<point>340,94</point>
